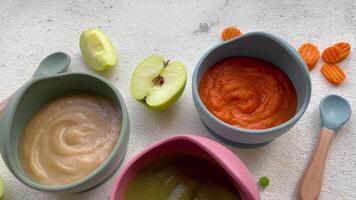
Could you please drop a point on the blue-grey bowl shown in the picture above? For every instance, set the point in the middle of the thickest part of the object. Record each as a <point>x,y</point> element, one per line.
<point>37,93</point>
<point>267,47</point>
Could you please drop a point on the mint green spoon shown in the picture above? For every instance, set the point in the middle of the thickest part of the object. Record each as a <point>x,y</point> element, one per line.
<point>53,64</point>
<point>334,112</point>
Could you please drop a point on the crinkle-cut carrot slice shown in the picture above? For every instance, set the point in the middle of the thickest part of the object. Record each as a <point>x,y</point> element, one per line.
<point>345,48</point>
<point>333,73</point>
<point>332,54</point>
<point>310,54</point>
<point>230,33</point>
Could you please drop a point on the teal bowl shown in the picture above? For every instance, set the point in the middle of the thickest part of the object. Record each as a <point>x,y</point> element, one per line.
<point>39,92</point>
<point>267,47</point>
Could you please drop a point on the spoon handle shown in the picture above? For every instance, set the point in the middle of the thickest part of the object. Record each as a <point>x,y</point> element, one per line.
<point>311,181</point>
<point>4,103</point>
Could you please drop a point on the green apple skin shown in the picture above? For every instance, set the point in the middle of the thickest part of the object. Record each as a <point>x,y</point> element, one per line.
<point>156,97</point>
<point>1,188</point>
<point>97,50</point>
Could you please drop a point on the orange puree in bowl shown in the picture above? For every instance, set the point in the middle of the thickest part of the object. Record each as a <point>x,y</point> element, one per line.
<point>249,93</point>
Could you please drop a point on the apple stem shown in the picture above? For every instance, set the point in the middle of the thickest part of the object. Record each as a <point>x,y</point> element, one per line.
<point>166,63</point>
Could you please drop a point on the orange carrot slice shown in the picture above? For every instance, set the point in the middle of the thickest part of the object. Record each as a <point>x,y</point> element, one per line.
<point>332,54</point>
<point>310,54</point>
<point>230,33</point>
<point>345,49</point>
<point>333,73</point>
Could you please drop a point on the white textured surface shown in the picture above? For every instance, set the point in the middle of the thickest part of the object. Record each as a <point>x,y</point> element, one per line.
<point>30,30</point>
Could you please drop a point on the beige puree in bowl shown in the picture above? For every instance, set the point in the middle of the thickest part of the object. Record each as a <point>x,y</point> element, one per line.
<point>69,138</point>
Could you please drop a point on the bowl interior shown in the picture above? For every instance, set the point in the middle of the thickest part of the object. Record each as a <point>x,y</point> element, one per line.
<point>266,47</point>
<point>40,92</point>
<point>172,148</point>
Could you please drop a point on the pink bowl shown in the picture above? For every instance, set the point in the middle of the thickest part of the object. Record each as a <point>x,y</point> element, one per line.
<point>193,145</point>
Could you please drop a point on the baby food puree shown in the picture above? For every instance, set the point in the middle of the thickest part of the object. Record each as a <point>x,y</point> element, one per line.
<point>248,92</point>
<point>181,177</point>
<point>69,138</point>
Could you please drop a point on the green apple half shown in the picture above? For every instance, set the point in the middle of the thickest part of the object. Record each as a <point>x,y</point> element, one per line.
<point>158,83</point>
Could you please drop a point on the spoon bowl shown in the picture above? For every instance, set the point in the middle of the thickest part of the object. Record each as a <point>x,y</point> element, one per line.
<point>53,64</point>
<point>334,112</point>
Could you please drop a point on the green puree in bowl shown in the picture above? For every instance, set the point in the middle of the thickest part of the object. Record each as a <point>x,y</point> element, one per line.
<point>181,178</point>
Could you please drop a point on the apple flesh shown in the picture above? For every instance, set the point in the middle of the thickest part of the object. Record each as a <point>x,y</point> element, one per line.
<point>158,83</point>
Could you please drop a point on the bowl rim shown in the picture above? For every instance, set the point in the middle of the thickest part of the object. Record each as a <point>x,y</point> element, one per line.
<point>124,132</point>
<point>291,51</point>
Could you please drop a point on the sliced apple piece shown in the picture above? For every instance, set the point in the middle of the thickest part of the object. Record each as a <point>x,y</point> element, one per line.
<point>158,83</point>
<point>97,50</point>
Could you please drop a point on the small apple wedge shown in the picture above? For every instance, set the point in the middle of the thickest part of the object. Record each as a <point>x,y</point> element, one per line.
<point>97,50</point>
<point>158,83</point>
